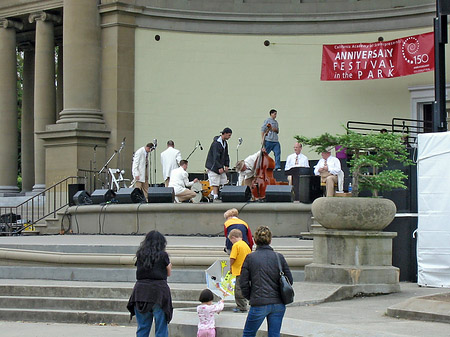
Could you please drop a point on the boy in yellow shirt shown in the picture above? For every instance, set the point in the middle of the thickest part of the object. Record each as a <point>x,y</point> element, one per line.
<point>239,251</point>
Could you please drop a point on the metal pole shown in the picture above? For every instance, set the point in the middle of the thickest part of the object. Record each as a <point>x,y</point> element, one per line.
<point>440,39</point>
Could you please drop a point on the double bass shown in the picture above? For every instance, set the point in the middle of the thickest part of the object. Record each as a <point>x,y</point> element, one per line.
<point>263,172</point>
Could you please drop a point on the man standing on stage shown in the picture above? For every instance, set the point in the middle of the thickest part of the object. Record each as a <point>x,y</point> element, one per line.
<point>328,168</point>
<point>270,137</point>
<point>140,168</point>
<point>179,180</point>
<point>297,159</point>
<point>218,161</point>
<point>170,160</point>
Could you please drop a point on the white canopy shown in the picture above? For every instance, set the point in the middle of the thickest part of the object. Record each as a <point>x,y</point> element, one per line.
<point>433,188</point>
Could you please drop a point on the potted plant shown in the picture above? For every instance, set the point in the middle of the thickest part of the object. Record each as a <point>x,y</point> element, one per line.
<point>369,155</point>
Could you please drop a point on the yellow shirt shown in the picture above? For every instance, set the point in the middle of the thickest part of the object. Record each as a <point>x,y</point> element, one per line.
<point>238,252</point>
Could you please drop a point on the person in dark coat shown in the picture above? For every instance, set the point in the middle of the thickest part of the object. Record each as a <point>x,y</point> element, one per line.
<point>218,162</point>
<point>259,281</point>
<point>151,298</point>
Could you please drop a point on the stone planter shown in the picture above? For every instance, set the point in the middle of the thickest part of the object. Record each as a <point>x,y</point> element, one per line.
<point>354,213</point>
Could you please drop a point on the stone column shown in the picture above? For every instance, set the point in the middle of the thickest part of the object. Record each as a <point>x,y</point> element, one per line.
<point>8,106</point>
<point>80,128</point>
<point>82,50</point>
<point>44,88</point>
<point>59,81</point>
<point>28,119</point>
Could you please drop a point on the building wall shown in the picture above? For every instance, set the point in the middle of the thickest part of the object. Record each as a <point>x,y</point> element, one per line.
<point>188,86</point>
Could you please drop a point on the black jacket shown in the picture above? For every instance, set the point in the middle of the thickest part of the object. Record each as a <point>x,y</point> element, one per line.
<point>260,276</point>
<point>217,156</point>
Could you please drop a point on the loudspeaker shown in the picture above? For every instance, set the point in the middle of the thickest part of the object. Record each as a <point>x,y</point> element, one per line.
<point>102,196</point>
<point>130,196</point>
<point>279,193</point>
<point>161,194</point>
<point>82,198</point>
<point>74,188</point>
<point>309,189</point>
<point>444,7</point>
<point>235,193</point>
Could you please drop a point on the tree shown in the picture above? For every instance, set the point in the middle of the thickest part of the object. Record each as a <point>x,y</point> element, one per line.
<point>369,153</point>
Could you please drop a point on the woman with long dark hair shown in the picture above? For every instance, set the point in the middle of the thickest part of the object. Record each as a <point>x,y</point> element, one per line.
<point>151,297</point>
<point>259,283</point>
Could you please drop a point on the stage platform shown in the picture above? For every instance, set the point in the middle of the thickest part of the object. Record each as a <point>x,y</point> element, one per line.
<point>284,219</point>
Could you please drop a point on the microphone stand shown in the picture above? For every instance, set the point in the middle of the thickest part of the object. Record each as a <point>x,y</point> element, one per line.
<point>106,165</point>
<point>195,148</point>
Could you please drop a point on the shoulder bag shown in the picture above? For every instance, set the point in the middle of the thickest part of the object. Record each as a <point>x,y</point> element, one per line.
<point>286,290</point>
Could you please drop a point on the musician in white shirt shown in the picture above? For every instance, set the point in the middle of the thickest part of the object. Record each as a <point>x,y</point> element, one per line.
<point>246,169</point>
<point>179,180</point>
<point>297,159</point>
<point>170,160</point>
<point>328,168</point>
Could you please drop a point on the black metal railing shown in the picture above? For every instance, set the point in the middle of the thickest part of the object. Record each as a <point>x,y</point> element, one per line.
<point>409,128</point>
<point>16,219</point>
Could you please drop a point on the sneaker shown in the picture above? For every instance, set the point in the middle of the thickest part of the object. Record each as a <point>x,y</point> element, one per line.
<point>278,169</point>
<point>238,310</point>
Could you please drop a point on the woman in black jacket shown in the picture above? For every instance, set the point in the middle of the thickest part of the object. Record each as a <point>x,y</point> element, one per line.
<point>151,296</point>
<point>259,283</point>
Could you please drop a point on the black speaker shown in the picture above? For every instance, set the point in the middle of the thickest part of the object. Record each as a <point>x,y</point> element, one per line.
<point>161,194</point>
<point>309,189</point>
<point>130,196</point>
<point>82,198</point>
<point>74,188</point>
<point>102,196</point>
<point>235,193</point>
<point>279,193</point>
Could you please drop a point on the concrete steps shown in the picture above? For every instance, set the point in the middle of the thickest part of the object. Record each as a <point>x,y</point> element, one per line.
<point>78,302</point>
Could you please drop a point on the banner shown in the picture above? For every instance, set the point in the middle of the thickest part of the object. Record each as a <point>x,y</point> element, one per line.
<point>386,59</point>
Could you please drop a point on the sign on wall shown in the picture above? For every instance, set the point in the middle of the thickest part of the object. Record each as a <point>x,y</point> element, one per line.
<point>387,59</point>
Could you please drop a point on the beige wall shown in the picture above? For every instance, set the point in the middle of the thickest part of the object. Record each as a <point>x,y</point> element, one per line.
<point>189,86</point>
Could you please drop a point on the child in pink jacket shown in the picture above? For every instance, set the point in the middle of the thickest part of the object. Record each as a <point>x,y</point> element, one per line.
<point>206,311</point>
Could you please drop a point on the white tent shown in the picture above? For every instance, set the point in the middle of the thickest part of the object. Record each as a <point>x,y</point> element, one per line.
<point>433,188</point>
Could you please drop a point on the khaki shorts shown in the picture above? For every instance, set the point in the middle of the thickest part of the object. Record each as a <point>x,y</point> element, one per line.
<point>217,179</point>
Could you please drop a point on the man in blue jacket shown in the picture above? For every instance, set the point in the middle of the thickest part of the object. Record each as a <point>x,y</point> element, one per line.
<point>218,162</point>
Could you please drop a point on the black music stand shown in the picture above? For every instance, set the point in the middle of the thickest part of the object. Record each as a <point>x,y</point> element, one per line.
<point>296,172</point>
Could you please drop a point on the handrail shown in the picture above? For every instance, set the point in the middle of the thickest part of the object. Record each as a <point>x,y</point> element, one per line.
<point>15,219</point>
<point>409,128</point>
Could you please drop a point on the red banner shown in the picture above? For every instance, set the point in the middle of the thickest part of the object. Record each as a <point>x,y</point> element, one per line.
<point>370,61</point>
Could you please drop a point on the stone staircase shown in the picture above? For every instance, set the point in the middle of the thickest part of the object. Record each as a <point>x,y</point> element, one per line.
<point>78,302</point>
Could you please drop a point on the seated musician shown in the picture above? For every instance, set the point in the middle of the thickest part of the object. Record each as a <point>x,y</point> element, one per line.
<point>328,168</point>
<point>296,159</point>
<point>179,180</point>
<point>246,169</point>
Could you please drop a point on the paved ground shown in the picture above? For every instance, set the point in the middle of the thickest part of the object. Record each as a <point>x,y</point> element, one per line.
<point>363,316</point>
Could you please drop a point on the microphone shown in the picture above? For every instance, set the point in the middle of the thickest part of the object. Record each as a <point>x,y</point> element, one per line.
<point>123,141</point>
<point>240,141</point>
<point>200,144</point>
<point>155,143</point>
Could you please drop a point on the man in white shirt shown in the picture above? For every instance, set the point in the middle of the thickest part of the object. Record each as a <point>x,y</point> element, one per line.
<point>246,169</point>
<point>170,160</point>
<point>297,159</point>
<point>140,168</point>
<point>179,180</point>
<point>328,168</point>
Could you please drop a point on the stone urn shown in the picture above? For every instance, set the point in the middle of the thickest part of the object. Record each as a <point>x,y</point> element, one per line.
<point>364,214</point>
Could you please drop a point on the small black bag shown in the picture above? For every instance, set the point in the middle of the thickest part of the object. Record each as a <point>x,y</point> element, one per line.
<point>286,290</point>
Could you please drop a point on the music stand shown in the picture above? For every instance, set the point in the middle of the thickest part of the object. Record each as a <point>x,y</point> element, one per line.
<point>296,172</point>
